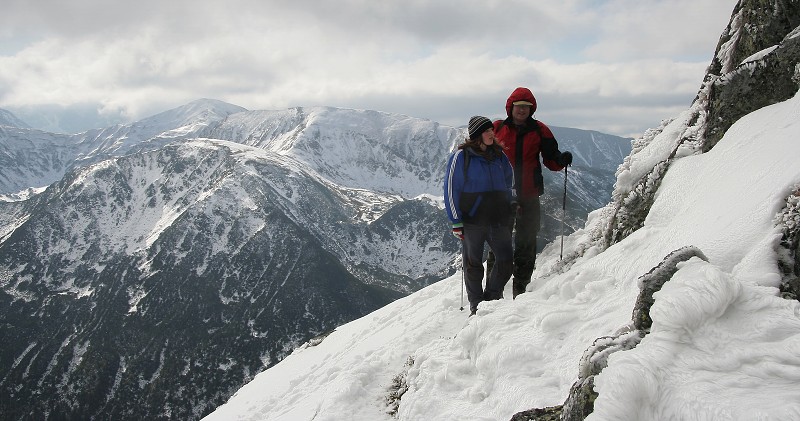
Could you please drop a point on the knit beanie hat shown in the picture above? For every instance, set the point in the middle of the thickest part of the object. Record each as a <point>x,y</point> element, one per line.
<point>478,125</point>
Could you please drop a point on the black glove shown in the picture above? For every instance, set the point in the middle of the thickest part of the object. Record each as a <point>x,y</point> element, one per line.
<point>565,159</point>
<point>514,207</point>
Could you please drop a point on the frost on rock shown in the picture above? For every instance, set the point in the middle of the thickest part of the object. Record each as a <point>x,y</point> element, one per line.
<point>632,199</point>
<point>580,401</point>
<point>633,208</point>
<point>652,282</point>
<point>788,219</point>
<point>634,192</point>
<point>595,358</point>
<point>796,76</point>
<point>729,41</point>
<point>638,180</point>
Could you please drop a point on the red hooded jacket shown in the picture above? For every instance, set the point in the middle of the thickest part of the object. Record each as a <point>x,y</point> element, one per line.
<point>523,145</point>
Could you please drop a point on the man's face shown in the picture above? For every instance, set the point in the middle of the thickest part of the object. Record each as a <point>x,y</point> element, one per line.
<point>520,113</point>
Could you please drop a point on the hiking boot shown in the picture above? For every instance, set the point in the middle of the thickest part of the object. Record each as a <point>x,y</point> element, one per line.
<point>519,286</point>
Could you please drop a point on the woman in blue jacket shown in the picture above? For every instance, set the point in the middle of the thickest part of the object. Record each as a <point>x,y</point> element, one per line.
<point>479,199</point>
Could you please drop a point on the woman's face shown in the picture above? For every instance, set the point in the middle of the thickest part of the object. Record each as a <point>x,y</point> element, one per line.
<point>487,138</point>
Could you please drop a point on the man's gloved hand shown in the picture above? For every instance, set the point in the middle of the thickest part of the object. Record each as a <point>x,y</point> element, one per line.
<point>458,231</point>
<point>565,159</point>
<point>514,207</point>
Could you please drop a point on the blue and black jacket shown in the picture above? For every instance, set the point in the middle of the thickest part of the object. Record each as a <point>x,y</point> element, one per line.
<point>483,193</point>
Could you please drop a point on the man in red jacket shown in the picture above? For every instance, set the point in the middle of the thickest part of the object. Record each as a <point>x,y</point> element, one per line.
<point>523,140</point>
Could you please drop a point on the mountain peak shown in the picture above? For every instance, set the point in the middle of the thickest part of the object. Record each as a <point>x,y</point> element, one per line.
<point>203,109</point>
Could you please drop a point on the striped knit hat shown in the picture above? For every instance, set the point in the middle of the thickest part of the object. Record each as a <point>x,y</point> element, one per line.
<point>478,125</point>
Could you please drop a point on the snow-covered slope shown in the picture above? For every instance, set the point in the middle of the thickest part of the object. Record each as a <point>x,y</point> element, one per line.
<point>722,345</point>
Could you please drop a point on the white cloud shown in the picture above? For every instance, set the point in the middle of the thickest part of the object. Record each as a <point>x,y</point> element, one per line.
<point>144,57</point>
<point>635,29</point>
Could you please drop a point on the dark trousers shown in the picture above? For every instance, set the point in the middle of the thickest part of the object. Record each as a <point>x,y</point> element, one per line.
<point>526,227</point>
<point>499,239</point>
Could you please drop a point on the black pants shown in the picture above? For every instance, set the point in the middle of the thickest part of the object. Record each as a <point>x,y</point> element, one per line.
<point>526,228</point>
<point>499,239</point>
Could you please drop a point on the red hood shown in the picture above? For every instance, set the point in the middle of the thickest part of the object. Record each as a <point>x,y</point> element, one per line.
<point>520,94</point>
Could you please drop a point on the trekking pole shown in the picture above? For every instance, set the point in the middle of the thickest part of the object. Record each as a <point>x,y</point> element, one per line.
<point>563,213</point>
<point>462,278</point>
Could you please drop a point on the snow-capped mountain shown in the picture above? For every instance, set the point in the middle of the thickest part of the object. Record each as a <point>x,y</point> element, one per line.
<point>193,261</point>
<point>34,158</point>
<point>201,245</point>
<point>358,149</point>
<point>677,300</point>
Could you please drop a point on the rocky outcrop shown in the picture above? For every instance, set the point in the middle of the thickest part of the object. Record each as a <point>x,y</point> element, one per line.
<point>754,25</point>
<point>788,219</point>
<point>757,59</point>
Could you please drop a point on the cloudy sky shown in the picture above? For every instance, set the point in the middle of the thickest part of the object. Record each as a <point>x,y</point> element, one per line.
<point>617,66</point>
